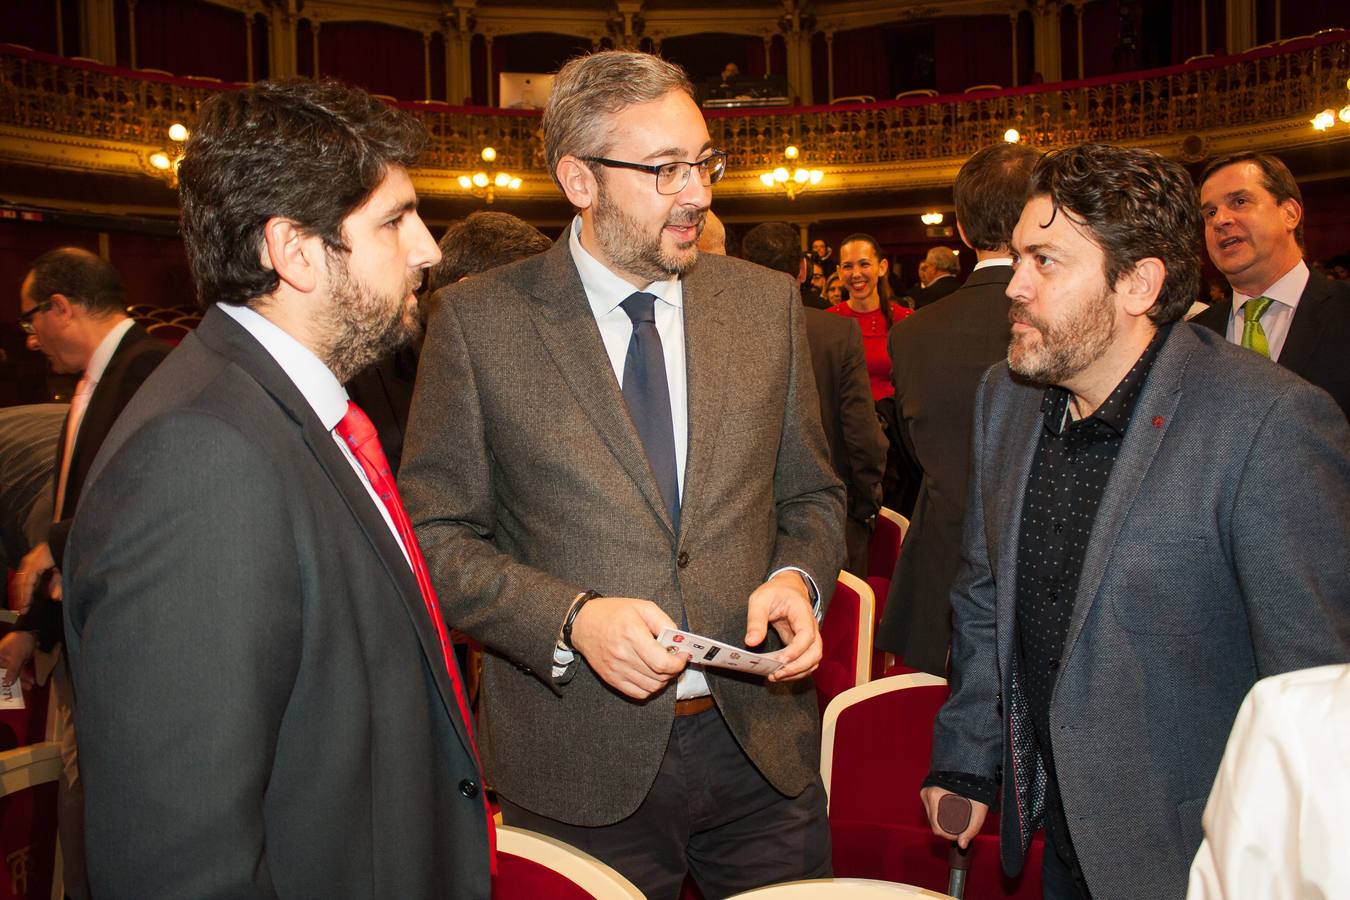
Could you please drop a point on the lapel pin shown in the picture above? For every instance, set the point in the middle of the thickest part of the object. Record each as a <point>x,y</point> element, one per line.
<point>1157,421</point>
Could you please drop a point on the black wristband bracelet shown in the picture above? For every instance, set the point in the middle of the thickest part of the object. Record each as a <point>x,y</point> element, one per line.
<point>577,604</point>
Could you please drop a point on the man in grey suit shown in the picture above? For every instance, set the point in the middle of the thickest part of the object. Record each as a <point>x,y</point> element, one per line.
<point>857,443</point>
<point>938,356</point>
<point>607,440</point>
<point>1280,308</point>
<point>268,704</point>
<point>1156,520</point>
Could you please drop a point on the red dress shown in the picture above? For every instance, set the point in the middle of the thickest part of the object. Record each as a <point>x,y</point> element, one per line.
<point>873,325</point>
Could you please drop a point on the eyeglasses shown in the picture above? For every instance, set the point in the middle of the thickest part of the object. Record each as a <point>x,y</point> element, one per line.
<point>26,319</point>
<point>671,177</point>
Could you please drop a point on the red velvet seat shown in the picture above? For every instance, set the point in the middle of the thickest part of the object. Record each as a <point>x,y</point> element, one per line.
<point>533,866</point>
<point>875,749</point>
<point>846,635</point>
<point>28,777</point>
<point>882,555</point>
<point>167,332</point>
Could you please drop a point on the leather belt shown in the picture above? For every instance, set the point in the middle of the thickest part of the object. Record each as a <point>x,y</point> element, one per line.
<point>694,705</point>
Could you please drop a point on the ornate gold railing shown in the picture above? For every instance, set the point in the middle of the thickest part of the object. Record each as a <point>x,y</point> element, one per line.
<point>1235,95</point>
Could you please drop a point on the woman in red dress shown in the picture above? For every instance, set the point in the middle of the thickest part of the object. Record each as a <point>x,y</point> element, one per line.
<point>862,271</point>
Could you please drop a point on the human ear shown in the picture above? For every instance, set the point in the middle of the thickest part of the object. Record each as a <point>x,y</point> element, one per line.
<point>291,254</point>
<point>578,181</point>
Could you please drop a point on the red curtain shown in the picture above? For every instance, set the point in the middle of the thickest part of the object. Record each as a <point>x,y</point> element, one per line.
<point>187,37</point>
<point>972,50</point>
<point>31,23</point>
<point>861,65</point>
<point>383,59</point>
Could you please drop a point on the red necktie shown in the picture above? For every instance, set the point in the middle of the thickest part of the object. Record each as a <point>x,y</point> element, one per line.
<point>359,433</point>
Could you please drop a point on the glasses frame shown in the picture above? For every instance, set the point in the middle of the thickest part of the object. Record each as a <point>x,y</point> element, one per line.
<point>26,319</point>
<point>655,171</point>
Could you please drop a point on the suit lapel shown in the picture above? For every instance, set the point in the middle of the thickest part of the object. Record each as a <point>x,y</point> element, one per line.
<point>1148,428</point>
<point>1013,451</point>
<point>1306,330</point>
<point>704,349</point>
<point>562,317</point>
<point>230,339</point>
<point>97,420</point>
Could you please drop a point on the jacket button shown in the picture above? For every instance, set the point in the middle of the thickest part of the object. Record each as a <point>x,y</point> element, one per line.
<point>682,560</point>
<point>468,788</point>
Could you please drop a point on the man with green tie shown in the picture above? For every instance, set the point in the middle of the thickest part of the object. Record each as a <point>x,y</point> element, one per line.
<point>1282,309</point>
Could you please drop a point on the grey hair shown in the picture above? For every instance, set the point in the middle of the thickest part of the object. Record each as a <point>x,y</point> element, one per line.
<point>591,89</point>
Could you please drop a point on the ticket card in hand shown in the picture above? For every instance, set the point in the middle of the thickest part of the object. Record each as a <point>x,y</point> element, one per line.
<point>11,695</point>
<point>707,652</point>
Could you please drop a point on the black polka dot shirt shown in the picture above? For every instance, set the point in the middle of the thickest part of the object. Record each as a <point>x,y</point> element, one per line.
<point>1073,462</point>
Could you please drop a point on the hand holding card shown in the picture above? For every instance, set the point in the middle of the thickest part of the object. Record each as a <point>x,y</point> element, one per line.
<point>708,652</point>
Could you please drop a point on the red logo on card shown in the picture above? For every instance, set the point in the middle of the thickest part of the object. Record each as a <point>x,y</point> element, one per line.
<point>677,638</point>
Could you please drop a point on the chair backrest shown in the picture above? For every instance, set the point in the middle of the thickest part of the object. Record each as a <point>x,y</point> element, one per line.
<point>917,92</point>
<point>168,332</point>
<point>846,635</point>
<point>843,889</point>
<point>976,88</point>
<point>28,778</point>
<point>855,98</point>
<point>535,865</point>
<point>884,549</point>
<point>875,746</point>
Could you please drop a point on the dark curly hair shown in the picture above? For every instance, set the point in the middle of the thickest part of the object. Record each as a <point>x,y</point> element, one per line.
<point>308,151</point>
<point>1135,205</point>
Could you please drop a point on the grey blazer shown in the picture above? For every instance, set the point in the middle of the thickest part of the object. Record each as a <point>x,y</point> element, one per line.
<point>264,709</point>
<point>528,484</point>
<point>1220,555</point>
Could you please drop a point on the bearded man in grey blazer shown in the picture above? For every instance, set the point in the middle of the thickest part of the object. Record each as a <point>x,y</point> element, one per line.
<point>607,440</point>
<point>1156,520</point>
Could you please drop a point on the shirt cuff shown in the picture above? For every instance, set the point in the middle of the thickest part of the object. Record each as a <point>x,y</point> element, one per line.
<point>810,583</point>
<point>973,787</point>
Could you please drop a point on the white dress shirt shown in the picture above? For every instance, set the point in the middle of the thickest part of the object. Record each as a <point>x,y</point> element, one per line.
<point>319,386</point>
<point>605,291</point>
<point>1279,315</point>
<point>1275,821</point>
<point>991,262</point>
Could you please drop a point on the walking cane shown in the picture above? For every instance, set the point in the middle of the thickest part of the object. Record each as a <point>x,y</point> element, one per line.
<point>953,817</point>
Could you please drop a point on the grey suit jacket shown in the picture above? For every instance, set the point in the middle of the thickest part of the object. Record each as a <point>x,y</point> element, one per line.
<point>1318,345</point>
<point>264,709</point>
<point>1220,555</point>
<point>938,356</point>
<point>528,484</point>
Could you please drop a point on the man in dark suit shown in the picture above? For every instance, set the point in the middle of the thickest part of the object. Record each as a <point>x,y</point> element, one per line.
<point>607,440</point>
<point>1156,520</point>
<point>74,310</point>
<point>937,358</point>
<point>268,703</point>
<point>938,276</point>
<point>1253,213</point>
<point>853,431</point>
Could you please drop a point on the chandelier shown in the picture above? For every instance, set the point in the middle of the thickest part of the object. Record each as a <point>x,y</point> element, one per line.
<point>165,161</point>
<point>484,184</point>
<point>792,182</point>
<point>1324,120</point>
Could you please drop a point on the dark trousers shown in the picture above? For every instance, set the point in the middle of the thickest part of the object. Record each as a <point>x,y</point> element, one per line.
<point>1059,880</point>
<point>709,813</point>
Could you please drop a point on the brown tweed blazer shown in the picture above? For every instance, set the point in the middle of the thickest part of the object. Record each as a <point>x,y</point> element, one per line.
<point>528,484</point>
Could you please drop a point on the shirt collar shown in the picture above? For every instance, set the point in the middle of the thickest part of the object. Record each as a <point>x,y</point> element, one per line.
<point>605,290</point>
<point>103,353</point>
<point>993,261</point>
<point>1116,411</point>
<point>1286,290</point>
<point>320,387</point>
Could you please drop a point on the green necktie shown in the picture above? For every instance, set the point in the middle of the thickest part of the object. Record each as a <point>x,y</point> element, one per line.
<point>1253,335</point>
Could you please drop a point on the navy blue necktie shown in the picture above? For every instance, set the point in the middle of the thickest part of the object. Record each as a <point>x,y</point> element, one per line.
<point>647,394</point>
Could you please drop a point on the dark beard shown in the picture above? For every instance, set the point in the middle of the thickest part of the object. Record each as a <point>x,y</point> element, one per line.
<point>363,326</point>
<point>627,249</point>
